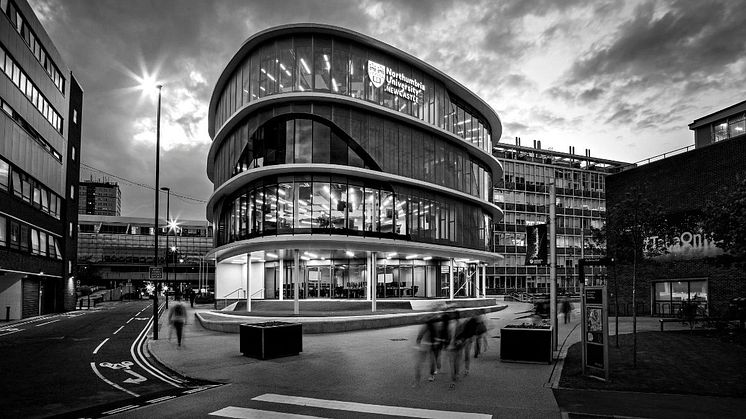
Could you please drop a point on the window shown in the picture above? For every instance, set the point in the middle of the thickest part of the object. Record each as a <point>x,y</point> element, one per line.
<point>3,232</point>
<point>34,242</point>
<point>24,238</point>
<point>4,176</point>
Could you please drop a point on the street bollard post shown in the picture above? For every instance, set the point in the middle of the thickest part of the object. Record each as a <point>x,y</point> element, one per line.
<point>7,313</point>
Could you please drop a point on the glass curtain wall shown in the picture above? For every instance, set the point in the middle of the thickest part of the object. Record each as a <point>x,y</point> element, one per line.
<point>338,66</point>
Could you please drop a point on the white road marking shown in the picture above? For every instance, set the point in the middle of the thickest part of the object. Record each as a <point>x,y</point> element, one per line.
<point>119,410</point>
<point>117,331</point>
<point>99,346</point>
<point>137,380</point>
<point>246,413</point>
<point>116,386</point>
<point>128,321</point>
<point>47,323</point>
<point>369,408</point>
<point>160,399</point>
<point>10,331</point>
<point>141,360</point>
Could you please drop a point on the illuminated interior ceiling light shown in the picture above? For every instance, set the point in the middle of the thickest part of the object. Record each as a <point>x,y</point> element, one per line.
<point>392,254</point>
<point>301,88</point>
<point>272,255</point>
<point>334,85</point>
<point>305,66</point>
<point>410,257</point>
<point>350,254</point>
<point>281,192</point>
<point>282,66</point>
<point>352,68</point>
<point>269,76</point>
<point>305,258</point>
<point>288,73</point>
<point>262,88</point>
<point>263,70</point>
<point>427,258</point>
<point>313,255</point>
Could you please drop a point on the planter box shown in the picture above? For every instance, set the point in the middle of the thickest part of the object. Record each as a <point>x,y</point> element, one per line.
<point>523,344</point>
<point>271,339</point>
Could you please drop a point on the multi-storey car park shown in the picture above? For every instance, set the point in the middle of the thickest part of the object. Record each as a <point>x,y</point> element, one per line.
<point>337,159</point>
<point>40,124</point>
<point>524,195</point>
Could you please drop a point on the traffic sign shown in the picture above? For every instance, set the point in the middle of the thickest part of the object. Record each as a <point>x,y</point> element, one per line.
<point>156,273</point>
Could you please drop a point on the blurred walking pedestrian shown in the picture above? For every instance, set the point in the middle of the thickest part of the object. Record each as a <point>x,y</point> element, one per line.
<point>177,318</point>
<point>566,309</point>
<point>429,344</point>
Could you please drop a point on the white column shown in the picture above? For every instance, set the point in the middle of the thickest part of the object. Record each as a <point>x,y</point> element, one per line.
<point>553,261</point>
<point>281,278</point>
<point>248,282</point>
<point>374,281</point>
<point>296,278</point>
<point>484,281</point>
<point>368,276</point>
<point>450,279</point>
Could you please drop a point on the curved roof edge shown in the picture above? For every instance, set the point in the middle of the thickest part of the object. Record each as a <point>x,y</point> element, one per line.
<point>298,28</point>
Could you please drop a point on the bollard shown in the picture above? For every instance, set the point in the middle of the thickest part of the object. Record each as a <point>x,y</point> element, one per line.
<point>81,304</point>
<point>7,313</point>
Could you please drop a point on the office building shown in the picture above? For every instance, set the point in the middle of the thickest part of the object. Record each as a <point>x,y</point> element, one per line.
<point>100,198</point>
<point>40,124</point>
<point>115,251</point>
<point>690,268</point>
<point>524,196</point>
<point>348,168</point>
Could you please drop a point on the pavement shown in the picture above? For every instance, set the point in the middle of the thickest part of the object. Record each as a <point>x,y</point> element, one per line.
<point>385,358</point>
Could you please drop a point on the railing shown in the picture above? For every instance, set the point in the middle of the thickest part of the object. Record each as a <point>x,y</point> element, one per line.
<point>656,158</point>
<point>225,298</point>
<point>254,294</point>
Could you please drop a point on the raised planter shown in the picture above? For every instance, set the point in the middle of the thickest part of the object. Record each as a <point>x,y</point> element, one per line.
<point>270,339</point>
<point>526,343</point>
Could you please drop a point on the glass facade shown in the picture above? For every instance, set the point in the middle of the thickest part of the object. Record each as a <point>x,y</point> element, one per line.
<point>425,186</point>
<point>733,126</point>
<point>524,196</point>
<point>318,133</point>
<point>355,207</point>
<point>306,63</point>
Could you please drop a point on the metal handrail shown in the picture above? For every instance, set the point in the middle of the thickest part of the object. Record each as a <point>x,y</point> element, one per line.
<point>261,290</point>
<point>225,298</point>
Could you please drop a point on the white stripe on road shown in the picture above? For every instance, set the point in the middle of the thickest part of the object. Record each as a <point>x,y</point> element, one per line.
<point>47,323</point>
<point>369,408</point>
<point>128,321</point>
<point>117,331</point>
<point>11,331</point>
<point>160,399</point>
<point>119,410</point>
<point>246,413</point>
<point>99,346</point>
<point>93,365</point>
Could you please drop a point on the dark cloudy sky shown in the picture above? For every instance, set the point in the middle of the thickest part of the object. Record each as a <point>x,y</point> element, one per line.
<point>621,78</point>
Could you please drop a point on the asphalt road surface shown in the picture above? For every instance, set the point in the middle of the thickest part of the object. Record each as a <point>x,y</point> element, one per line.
<point>88,359</point>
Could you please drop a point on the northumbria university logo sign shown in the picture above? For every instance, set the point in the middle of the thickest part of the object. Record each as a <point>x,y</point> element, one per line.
<point>394,82</point>
<point>377,73</point>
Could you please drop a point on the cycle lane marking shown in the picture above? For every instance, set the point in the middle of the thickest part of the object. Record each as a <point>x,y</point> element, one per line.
<point>95,351</point>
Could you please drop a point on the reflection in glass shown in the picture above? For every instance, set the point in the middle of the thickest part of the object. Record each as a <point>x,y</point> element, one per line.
<point>320,205</point>
<point>322,64</point>
<point>339,205</point>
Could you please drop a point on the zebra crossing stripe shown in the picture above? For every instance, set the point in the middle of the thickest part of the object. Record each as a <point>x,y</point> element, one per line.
<point>246,413</point>
<point>370,408</point>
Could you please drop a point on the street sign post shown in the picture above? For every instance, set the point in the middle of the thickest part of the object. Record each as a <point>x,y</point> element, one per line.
<point>594,311</point>
<point>155,273</point>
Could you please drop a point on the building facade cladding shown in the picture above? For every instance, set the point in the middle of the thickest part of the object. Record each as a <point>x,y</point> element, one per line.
<point>722,125</point>
<point>327,139</point>
<point>118,250</point>
<point>682,185</point>
<point>524,196</point>
<point>100,198</point>
<point>38,167</point>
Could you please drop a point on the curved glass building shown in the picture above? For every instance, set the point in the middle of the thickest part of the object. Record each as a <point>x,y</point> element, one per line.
<point>346,168</point>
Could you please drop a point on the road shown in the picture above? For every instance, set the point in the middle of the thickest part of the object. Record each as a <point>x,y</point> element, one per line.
<point>60,363</point>
<point>358,374</point>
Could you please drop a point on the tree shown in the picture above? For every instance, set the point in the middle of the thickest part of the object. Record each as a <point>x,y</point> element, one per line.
<point>724,219</point>
<point>635,228</point>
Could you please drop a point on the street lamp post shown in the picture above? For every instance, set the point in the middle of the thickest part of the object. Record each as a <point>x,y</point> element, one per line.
<point>155,220</point>
<point>168,218</point>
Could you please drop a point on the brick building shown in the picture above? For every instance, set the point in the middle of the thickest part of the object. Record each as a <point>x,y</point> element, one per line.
<point>683,184</point>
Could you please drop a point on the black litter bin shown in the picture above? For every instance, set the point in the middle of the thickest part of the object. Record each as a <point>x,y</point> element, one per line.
<point>271,339</point>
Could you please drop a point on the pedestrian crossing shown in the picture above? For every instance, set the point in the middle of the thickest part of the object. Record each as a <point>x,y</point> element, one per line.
<point>337,405</point>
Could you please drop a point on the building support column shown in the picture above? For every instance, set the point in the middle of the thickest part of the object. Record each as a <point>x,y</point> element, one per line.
<point>248,282</point>
<point>368,276</point>
<point>484,281</point>
<point>281,278</point>
<point>296,278</point>
<point>374,280</point>
<point>450,279</point>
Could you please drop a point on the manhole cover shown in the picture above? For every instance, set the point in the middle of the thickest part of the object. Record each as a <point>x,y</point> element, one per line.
<point>398,339</point>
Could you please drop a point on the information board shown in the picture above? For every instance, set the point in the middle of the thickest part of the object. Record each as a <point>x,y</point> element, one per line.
<point>156,273</point>
<point>594,311</point>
